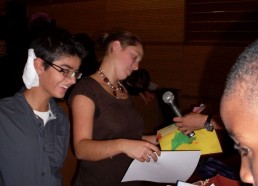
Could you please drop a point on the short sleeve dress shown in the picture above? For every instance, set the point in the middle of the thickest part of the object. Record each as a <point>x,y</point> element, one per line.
<point>113,119</point>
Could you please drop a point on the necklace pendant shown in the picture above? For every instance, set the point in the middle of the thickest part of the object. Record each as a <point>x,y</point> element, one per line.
<point>114,93</point>
<point>106,80</point>
<point>110,85</point>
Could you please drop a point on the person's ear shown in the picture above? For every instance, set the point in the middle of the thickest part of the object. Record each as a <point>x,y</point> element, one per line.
<point>116,46</point>
<point>38,65</point>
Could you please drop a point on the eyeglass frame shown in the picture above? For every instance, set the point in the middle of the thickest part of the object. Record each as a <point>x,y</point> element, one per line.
<point>64,71</point>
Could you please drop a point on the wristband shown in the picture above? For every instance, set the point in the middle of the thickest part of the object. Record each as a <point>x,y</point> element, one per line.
<point>208,124</point>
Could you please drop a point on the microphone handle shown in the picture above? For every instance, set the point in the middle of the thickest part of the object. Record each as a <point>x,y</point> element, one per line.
<point>178,114</point>
<point>175,110</point>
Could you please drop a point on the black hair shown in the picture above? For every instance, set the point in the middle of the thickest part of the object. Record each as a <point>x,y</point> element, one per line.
<point>242,80</point>
<point>138,81</point>
<point>89,63</point>
<point>58,43</point>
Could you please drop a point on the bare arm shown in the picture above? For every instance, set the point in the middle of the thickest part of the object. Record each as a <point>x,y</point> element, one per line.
<point>195,121</point>
<point>151,138</point>
<point>87,149</point>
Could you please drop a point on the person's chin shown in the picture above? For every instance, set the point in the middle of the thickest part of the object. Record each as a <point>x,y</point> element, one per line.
<point>61,94</point>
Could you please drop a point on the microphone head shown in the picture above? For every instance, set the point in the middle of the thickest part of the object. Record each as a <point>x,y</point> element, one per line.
<point>168,97</point>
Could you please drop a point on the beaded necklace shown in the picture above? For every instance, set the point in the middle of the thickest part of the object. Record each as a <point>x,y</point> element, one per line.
<point>120,87</point>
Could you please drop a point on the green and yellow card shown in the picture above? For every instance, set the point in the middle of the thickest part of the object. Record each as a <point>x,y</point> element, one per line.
<point>170,138</point>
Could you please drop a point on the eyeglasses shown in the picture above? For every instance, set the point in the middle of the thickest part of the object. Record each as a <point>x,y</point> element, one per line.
<point>66,73</point>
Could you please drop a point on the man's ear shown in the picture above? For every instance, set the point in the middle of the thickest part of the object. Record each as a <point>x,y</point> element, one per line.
<point>38,65</point>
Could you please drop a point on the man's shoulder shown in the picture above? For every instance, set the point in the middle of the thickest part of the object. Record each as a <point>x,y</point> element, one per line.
<point>13,104</point>
<point>7,102</point>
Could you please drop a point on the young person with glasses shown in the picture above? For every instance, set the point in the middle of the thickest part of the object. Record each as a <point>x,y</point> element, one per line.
<point>34,131</point>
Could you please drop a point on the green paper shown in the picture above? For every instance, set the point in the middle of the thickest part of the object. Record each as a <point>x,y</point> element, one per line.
<point>180,139</point>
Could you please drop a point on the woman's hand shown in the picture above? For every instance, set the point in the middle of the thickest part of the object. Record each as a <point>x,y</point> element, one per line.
<point>140,150</point>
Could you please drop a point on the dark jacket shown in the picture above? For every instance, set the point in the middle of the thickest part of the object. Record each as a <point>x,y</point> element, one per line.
<point>31,154</point>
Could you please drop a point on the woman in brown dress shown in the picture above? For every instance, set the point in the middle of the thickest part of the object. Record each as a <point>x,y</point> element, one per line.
<point>107,128</point>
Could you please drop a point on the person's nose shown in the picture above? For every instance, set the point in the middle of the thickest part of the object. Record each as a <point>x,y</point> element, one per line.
<point>245,171</point>
<point>71,80</point>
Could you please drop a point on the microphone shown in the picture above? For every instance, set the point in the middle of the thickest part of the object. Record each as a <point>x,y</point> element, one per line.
<point>168,97</point>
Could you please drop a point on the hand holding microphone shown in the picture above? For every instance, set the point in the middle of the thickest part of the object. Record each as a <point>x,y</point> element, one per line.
<point>168,97</point>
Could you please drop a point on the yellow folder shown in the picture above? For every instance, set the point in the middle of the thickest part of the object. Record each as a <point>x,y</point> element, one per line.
<point>170,138</point>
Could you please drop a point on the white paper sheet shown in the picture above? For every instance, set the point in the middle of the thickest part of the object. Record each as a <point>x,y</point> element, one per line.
<point>170,167</point>
<point>180,183</point>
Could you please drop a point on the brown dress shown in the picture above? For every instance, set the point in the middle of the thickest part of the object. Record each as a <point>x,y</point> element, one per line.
<point>113,119</point>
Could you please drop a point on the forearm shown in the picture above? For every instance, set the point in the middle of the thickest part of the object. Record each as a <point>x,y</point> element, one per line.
<point>95,150</point>
<point>195,121</point>
<point>151,138</point>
